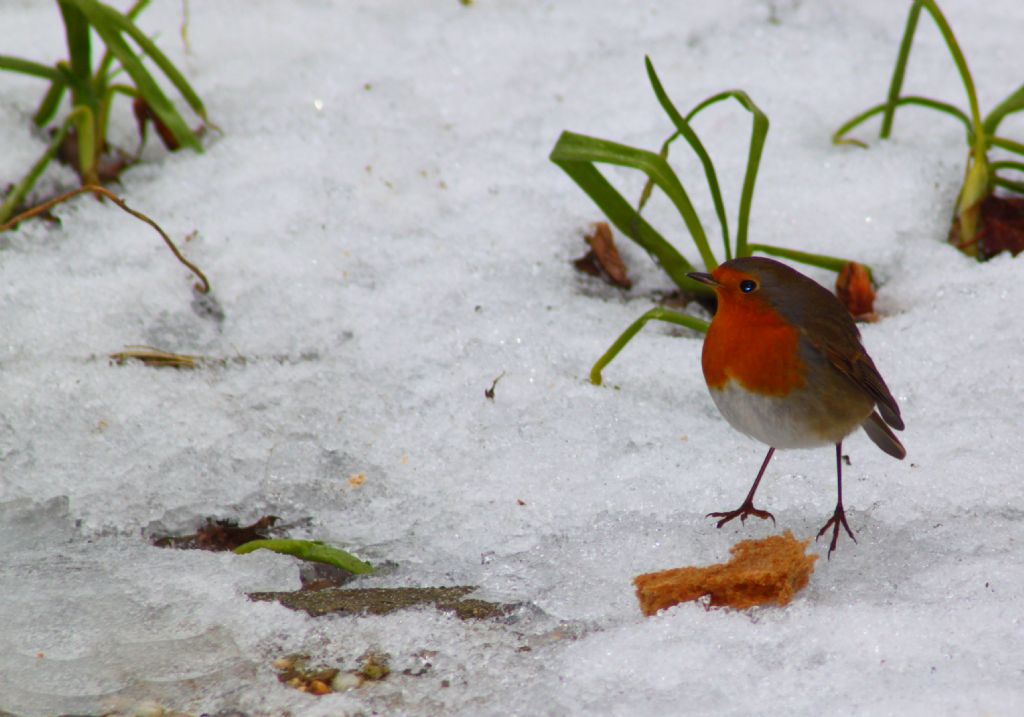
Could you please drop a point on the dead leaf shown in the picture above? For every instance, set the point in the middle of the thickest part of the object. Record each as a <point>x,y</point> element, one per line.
<point>110,162</point>
<point>154,357</point>
<point>853,287</point>
<point>1001,227</point>
<point>603,259</point>
<point>220,535</point>
<point>145,114</point>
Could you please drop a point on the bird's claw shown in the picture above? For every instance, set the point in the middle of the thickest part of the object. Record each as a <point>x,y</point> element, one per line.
<point>742,512</point>
<point>838,519</point>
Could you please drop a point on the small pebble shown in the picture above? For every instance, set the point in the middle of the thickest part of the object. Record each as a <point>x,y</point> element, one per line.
<point>345,681</point>
<point>284,663</point>
<point>146,709</point>
<point>319,688</point>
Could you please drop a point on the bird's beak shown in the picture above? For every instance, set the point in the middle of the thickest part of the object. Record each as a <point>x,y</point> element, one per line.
<point>704,278</point>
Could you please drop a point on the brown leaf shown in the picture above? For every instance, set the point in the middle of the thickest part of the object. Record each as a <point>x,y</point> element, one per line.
<point>145,114</point>
<point>228,535</point>
<point>154,357</point>
<point>110,162</point>
<point>220,535</point>
<point>853,287</point>
<point>1002,226</point>
<point>603,258</point>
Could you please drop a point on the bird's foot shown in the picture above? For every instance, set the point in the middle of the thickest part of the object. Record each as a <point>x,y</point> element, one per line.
<point>742,512</point>
<point>838,519</point>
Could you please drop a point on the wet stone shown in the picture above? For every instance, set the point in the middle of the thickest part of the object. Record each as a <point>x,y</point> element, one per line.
<point>383,601</point>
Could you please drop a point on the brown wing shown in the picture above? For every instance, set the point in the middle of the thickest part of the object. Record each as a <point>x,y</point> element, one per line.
<point>857,366</point>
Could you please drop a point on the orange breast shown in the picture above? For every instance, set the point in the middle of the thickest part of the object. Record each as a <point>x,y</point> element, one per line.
<point>750,344</point>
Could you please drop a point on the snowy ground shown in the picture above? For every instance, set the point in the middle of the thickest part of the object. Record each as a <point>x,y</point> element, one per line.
<point>385,234</point>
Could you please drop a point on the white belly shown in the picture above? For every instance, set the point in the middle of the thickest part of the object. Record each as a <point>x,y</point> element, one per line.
<point>777,422</point>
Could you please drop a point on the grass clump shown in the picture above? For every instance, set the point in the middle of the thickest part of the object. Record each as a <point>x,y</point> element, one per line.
<point>81,137</point>
<point>978,209</point>
<point>578,156</point>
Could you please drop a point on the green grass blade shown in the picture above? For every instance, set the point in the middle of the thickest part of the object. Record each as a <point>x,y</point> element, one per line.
<point>17,195</point>
<point>821,261</point>
<point>88,144</point>
<point>125,25</point>
<point>1013,103</point>
<point>310,550</point>
<point>47,107</point>
<point>50,103</point>
<point>839,138</point>
<point>1008,144</point>
<point>100,77</point>
<point>686,131</point>
<point>83,115</point>
<point>1005,183</point>
<point>27,67</point>
<point>960,61</point>
<point>896,83</point>
<point>649,184</point>
<point>136,9</point>
<point>655,314</point>
<point>758,135</point>
<point>76,29</point>
<point>1011,184</point>
<point>108,28</point>
<point>1007,164</point>
<point>107,102</point>
<point>77,70</point>
<point>576,155</point>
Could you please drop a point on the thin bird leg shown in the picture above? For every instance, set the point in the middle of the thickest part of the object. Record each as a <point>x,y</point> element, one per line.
<point>748,505</point>
<point>839,516</point>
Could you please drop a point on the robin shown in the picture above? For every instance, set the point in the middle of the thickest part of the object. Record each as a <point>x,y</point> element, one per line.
<point>784,364</point>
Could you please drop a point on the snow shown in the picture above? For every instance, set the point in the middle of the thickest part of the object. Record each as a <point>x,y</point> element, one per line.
<point>385,235</point>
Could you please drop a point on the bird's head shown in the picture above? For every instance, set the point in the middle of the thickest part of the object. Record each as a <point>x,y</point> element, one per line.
<point>755,287</point>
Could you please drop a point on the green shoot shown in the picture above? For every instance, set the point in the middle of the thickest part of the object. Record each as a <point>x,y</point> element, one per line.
<point>658,314</point>
<point>578,156</point>
<point>980,175</point>
<point>310,550</point>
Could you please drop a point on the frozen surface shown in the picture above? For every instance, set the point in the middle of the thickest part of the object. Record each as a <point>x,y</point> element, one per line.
<point>386,236</point>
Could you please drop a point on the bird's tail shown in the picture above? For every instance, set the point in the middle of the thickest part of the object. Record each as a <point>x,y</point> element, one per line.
<point>883,436</point>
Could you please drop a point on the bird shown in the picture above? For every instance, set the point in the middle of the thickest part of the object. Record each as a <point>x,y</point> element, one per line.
<point>784,363</point>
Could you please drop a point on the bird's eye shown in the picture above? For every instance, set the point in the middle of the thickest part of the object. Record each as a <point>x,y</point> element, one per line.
<point>747,286</point>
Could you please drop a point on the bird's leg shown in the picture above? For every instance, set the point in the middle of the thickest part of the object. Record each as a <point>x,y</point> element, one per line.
<point>839,516</point>
<point>748,505</point>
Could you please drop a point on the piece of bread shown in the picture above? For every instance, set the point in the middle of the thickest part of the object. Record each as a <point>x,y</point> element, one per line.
<point>760,572</point>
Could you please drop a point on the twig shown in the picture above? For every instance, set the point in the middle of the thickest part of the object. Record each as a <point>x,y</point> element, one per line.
<point>203,287</point>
